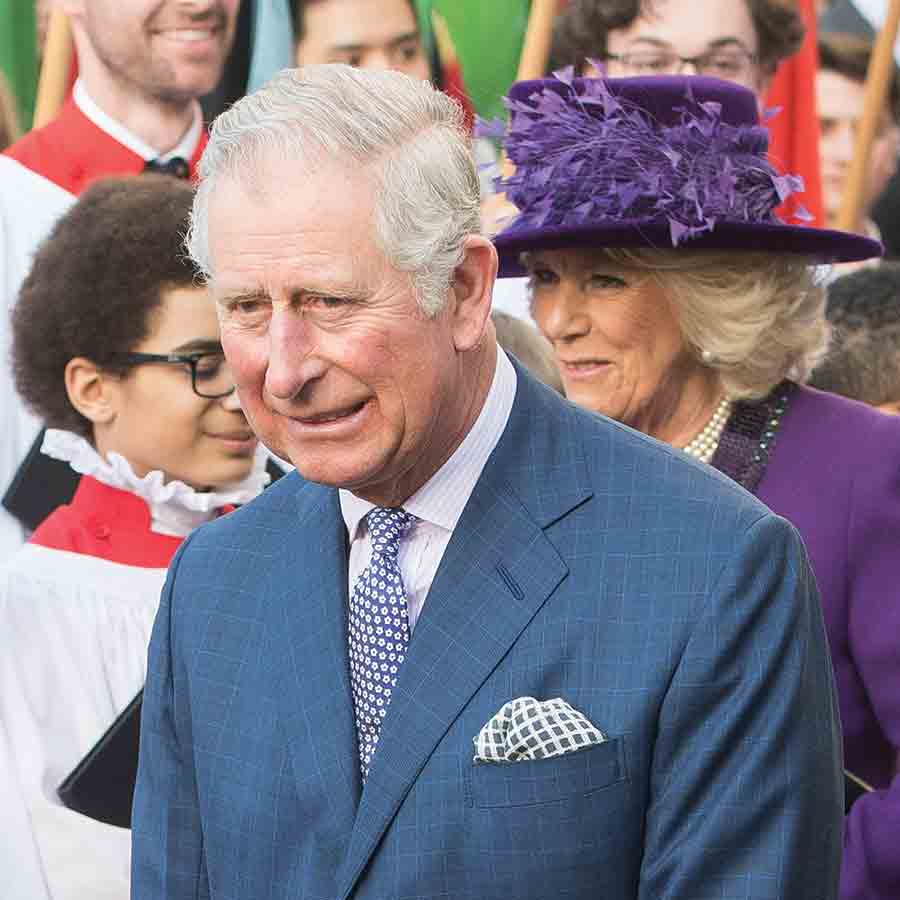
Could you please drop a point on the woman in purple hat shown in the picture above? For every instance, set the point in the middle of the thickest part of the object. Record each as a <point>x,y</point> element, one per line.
<point>680,305</point>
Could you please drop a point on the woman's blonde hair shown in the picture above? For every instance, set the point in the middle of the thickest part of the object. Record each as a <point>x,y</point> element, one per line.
<point>755,318</point>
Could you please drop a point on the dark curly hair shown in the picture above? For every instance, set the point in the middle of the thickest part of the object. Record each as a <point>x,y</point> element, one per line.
<point>581,30</point>
<point>864,360</point>
<point>95,284</point>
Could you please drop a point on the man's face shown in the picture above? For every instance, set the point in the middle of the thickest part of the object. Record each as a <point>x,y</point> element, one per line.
<point>337,369</point>
<point>170,50</point>
<point>367,34</point>
<point>839,101</point>
<point>720,30</point>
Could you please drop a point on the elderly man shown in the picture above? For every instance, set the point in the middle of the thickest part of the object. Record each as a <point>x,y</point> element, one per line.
<point>481,644</point>
<point>142,66</point>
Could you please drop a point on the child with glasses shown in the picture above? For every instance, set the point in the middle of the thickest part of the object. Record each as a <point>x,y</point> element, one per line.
<point>116,348</point>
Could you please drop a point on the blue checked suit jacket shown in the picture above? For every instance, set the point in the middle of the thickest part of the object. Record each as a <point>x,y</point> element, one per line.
<point>591,563</point>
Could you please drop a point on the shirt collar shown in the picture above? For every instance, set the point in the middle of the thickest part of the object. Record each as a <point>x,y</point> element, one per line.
<point>185,147</point>
<point>442,499</point>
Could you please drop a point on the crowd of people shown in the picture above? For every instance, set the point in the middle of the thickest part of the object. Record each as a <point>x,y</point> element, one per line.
<point>541,541</point>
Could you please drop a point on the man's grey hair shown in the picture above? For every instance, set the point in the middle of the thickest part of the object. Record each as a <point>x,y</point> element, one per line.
<point>408,135</point>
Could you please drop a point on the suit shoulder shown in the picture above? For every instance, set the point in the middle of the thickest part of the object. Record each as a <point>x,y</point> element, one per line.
<point>618,455</point>
<point>277,506</point>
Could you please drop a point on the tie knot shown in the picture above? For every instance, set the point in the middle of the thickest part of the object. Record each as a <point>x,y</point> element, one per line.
<point>387,525</point>
<point>176,166</point>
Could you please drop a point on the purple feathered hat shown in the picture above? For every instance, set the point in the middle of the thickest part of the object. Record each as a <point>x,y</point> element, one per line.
<point>662,161</point>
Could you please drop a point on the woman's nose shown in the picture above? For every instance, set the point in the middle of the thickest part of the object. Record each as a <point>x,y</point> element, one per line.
<point>560,313</point>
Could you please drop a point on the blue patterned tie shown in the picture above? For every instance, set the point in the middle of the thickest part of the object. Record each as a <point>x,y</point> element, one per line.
<point>379,628</point>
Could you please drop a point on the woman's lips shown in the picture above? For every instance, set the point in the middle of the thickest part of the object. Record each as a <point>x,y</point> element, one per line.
<point>580,370</point>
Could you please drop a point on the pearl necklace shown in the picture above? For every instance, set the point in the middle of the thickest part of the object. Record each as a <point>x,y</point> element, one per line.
<point>704,445</point>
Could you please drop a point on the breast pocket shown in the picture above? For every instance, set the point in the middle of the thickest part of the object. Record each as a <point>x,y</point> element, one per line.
<point>540,781</point>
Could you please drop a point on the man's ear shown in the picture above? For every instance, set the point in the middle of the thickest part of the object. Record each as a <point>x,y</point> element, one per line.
<point>91,391</point>
<point>472,290</point>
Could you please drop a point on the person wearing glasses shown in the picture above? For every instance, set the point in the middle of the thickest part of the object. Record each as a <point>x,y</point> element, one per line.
<point>118,350</point>
<point>737,40</point>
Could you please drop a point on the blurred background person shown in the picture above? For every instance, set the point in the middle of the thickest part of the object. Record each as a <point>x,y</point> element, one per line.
<point>117,349</point>
<point>142,65</point>
<point>738,40</point>
<point>863,362</point>
<point>529,346</point>
<point>840,89</point>
<point>678,304</point>
<point>366,34</point>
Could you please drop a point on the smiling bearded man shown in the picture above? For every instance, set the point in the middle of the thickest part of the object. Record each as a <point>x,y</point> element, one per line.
<point>142,65</point>
<point>481,644</point>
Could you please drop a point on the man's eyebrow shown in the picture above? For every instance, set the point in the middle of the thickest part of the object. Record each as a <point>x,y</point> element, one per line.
<point>393,42</point>
<point>718,43</point>
<point>241,297</point>
<point>201,345</point>
<point>404,38</point>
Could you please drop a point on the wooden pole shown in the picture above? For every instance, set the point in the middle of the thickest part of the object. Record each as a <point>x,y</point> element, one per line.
<point>496,210</point>
<point>57,62</point>
<point>538,34</point>
<point>878,80</point>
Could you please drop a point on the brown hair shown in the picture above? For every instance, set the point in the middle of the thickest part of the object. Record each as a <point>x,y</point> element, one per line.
<point>849,55</point>
<point>95,285</point>
<point>581,30</point>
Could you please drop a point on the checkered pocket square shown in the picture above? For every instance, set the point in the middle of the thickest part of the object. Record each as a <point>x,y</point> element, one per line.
<point>526,728</point>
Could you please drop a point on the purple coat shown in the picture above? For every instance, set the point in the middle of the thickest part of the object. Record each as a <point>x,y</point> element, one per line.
<point>834,472</point>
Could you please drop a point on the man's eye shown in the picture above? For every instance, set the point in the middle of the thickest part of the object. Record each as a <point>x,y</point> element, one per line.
<point>326,302</point>
<point>408,52</point>
<point>723,65</point>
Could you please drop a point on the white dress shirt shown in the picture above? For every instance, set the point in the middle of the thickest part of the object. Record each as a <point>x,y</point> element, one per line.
<point>184,148</point>
<point>439,503</point>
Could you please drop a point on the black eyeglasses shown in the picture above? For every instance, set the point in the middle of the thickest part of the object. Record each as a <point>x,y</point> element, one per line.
<point>210,375</point>
<point>729,63</point>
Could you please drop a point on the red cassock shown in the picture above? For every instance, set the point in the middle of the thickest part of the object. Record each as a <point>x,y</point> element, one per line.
<point>71,151</point>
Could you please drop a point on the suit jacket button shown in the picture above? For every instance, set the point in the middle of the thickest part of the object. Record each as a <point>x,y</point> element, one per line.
<point>102,531</point>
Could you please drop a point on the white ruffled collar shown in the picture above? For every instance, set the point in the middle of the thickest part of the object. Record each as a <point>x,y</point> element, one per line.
<point>175,507</point>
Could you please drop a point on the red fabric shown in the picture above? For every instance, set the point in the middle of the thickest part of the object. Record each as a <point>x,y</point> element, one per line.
<point>454,86</point>
<point>795,130</point>
<point>71,151</point>
<point>109,523</point>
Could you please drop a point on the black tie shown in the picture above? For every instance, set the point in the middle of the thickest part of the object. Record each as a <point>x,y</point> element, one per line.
<point>176,166</point>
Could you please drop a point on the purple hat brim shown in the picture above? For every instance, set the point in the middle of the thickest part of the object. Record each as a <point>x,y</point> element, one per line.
<point>820,244</point>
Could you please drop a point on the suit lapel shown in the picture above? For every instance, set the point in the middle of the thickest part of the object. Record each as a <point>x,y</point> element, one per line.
<point>496,573</point>
<point>316,706</point>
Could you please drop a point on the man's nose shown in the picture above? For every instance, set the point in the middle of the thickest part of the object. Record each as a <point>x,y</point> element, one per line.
<point>293,362</point>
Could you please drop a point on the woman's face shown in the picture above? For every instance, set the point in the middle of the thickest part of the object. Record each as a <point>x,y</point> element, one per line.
<point>158,421</point>
<point>615,334</point>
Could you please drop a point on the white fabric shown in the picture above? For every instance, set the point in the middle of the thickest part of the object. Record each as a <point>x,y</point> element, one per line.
<point>439,503</point>
<point>511,296</point>
<point>184,148</point>
<point>29,206</point>
<point>74,632</point>
<point>175,507</point>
